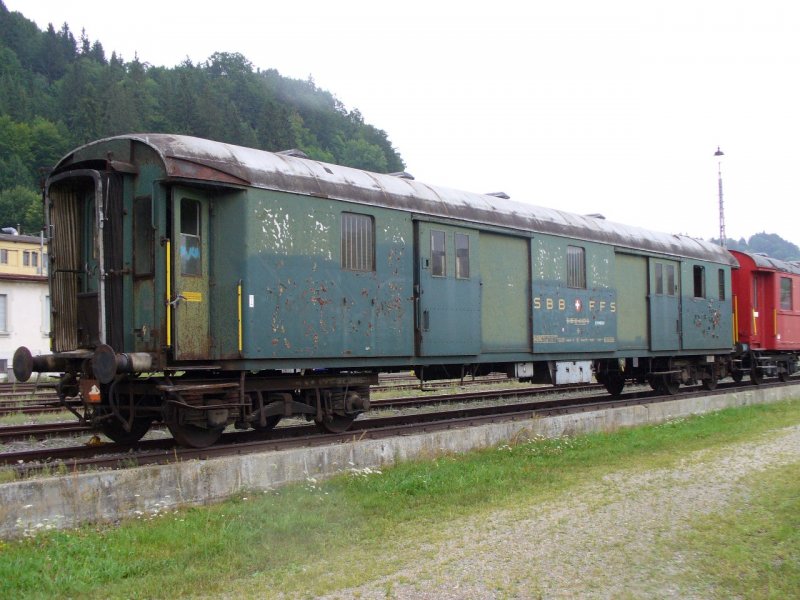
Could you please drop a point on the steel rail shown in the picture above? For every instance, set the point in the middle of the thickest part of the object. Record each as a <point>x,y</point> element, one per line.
<point>236,443</point>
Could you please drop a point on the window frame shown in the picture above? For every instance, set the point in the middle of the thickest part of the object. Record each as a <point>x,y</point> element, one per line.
<point>438,257</point>
<point>357,242</point>
<point>670,284</point>
<point>144,237</point>
<point>659,276</point>
<point>699,281</point>
<point>191,266</point>
<point>4,314</point>
<point>755,292</point>
<point>462,256</point>
<point>576,267</point>
<point>786,294</point>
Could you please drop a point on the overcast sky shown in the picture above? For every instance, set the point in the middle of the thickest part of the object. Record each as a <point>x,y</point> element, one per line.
<point>614,107</point>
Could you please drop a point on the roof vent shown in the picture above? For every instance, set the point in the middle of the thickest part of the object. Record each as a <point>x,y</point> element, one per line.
<point>293,152</point>
<point>402,175</point>
<point>597,216</point>
<point>502,195</point>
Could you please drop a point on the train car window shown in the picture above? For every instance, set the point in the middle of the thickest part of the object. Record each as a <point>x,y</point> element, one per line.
<point>358,242</point>
<point>699,281</point>
<point>191,258</point>
<point>755,292</point>
<point>576,267</point>
<point>659,278</point>
<point>786,293</point>
<point>722,292</point>
<point>438,254</point>
<point>143,236</point>
<point>671,280</point>
<point>462,256</point>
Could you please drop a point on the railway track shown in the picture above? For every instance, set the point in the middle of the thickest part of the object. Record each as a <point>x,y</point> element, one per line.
<point>162,451</point>
<point>13,433</point>
<point>30,399</point>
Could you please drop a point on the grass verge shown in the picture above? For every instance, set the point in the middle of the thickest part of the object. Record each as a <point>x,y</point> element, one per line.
<point>752,549</point>
<point>309,539</point>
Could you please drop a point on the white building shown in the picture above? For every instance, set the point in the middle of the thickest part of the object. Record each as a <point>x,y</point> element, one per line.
<point>24,297</point>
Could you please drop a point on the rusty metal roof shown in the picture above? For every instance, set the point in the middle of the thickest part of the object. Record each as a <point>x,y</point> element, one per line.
<point>195,158</point>
<point>767,263</point>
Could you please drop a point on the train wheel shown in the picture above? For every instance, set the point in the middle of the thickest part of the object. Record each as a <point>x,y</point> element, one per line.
<point>194,436</point>
<point>667,385</point>
<point>737,375</point>
<point>336,424</point>
<point>756,376</point>
<point>614,383</point>
<point>710,383</point>
<point>113,429</point>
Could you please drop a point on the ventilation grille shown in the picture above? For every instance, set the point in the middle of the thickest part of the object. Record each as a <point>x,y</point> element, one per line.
<point>64,266</point>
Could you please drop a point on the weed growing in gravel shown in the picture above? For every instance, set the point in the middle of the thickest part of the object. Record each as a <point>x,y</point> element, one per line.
<point>19,418</point>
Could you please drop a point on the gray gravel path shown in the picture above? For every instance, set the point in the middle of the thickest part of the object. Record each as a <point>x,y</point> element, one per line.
<point>599,542</point>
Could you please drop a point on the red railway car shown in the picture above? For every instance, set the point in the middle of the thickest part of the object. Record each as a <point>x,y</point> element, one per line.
<point>766,305</point>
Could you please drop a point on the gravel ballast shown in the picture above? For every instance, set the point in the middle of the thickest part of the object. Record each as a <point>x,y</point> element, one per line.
<point>602,540</point>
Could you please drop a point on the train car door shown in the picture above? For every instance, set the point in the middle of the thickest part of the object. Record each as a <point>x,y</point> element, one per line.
<point>665,305</point>
<point>761,309</point>
<point>630,278</point>
<point>448,287</point>
<point>189,297</point>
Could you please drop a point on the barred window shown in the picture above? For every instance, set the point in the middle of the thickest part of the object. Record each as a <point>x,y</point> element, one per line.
<point>358,242</point>
<point>786,293</point>
<point>462,256</point>
<point>576,267</point>
<point>438,254</point>
<point>722,291</point>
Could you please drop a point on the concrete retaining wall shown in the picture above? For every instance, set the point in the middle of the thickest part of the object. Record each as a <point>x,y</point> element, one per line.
<point>68,501</point>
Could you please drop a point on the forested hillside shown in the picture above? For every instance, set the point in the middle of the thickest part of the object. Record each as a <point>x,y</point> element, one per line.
<point>57,92</point>
<point>770,244</point>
